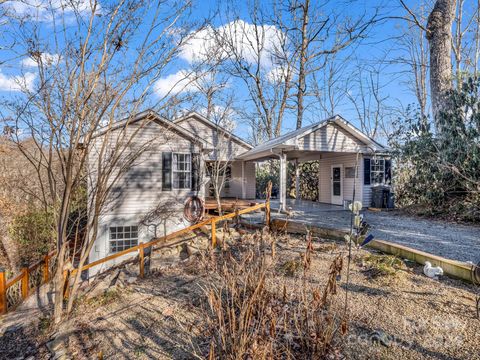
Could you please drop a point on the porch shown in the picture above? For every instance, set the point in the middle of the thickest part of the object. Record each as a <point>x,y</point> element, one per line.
<point>340,150</point>
<point>229,203</point>
<point>301,208</point>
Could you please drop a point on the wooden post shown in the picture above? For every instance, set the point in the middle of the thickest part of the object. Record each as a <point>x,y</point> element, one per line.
<point>268,195</point>
<point>45,269</point>
<point>3,292</point>
<point>142,260</point>
<point>25,283</point>
<point>214,234</point>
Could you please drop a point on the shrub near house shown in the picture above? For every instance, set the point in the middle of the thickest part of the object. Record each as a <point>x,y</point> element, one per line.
<point>438,170</point>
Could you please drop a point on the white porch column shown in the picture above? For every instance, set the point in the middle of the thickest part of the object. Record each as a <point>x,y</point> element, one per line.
<point>244,190</point>
<point>297,180</point>
<point>283,182</point>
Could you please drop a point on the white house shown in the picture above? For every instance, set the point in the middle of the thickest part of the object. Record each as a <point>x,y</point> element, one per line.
<point>173,168</point>
<point>170,170</point>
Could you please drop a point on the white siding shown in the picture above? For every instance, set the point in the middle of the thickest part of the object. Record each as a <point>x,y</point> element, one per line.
<point>234,188</point>
<point>139,190</point>
<point>367,196</point>
<point>325,186</point>
<point>226,148</point>
<point>330,138</point>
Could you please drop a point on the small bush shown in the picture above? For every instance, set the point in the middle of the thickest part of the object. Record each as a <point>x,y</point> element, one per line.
<point>34,234</point>
<point>291,267</point>
<point>381,265</point>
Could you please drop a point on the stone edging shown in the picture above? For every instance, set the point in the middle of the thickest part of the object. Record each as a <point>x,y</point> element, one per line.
<point>453,268</point>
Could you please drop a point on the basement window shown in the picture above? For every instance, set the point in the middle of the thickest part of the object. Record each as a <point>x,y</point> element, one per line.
<point>123,238</point>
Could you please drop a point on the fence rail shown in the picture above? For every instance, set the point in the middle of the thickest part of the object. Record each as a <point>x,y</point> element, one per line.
<point>13,291</point>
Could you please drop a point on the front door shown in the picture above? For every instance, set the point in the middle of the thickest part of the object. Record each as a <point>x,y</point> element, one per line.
<point>337,187</point>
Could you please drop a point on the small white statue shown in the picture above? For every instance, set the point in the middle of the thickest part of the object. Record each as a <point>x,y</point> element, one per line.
<point>431,271</point>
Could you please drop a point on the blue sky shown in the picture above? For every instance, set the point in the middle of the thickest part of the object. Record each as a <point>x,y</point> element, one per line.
<point>379,47</point>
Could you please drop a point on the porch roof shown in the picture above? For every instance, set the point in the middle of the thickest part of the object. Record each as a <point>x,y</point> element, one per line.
<point>289,142</point>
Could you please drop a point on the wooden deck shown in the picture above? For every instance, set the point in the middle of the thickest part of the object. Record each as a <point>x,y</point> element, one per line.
<point>229,204</point>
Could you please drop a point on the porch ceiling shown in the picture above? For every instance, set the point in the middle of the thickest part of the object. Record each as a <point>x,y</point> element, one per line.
<point>335,135</point>
<point>293,154</point>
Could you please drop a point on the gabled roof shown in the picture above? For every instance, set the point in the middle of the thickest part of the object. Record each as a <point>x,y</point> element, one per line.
<point>156,118</point>
<point>289,140</point>
<point>217,127</point>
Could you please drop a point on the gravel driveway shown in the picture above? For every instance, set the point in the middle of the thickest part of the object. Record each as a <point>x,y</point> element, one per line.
<point>452,241</point>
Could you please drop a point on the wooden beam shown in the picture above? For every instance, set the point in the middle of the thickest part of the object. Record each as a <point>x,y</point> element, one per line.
<point>142,261</point>
<point>25,283</point>
<point>214,234</point>
<point>3,292</point>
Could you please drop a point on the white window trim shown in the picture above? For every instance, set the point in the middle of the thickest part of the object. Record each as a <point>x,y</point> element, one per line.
<point>173,171</point>
<point>374,183</point>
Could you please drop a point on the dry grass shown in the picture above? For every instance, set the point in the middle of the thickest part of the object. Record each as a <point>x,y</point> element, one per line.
<point>250,318</point>
<point>239,302</point>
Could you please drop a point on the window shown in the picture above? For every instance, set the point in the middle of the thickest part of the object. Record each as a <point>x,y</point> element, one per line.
<point>377,171</point>
<point>123,237</point>
<point>182,176</point>
<point>350,172</point>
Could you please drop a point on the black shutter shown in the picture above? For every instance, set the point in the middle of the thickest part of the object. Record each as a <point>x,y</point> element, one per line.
<point>195,172</point>
<point>166,171</point>
<point>366,171</point>
<point>388,172</point>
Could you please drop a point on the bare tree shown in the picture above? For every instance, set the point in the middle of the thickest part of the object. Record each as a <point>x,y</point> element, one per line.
<point>259,55</point>
<point>103,62</point>
<point>219,165</point>
<point>365,91</point>
<point>317,35</point>
<point>415,56</point>
<point>328,84</point>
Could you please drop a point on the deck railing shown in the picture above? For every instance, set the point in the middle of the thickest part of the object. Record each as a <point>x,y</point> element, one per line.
<point>13,291</point>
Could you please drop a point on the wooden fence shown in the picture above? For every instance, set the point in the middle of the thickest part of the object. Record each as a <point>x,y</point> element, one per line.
<point>14,291</point>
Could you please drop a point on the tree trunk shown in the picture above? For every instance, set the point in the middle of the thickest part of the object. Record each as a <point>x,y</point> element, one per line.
<point>439,36</point>
<point>301,68</point>
<point>58,283</point>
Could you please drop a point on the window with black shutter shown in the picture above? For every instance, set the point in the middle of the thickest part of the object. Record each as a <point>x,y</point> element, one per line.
<point>167,171</point>
<point>366,171</point>
<point>388,172</point>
